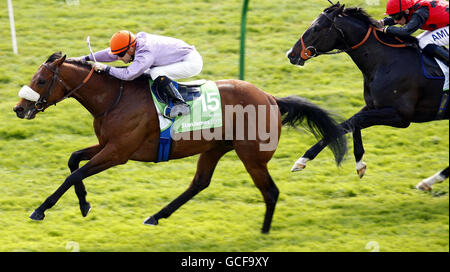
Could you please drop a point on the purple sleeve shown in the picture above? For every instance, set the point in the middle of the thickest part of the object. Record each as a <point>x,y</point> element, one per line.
<point>142,62</point>
<point>103,56</point>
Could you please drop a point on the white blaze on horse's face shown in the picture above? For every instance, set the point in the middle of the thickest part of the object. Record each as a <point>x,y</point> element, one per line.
<point>29,94</point>
<point>289,52</point>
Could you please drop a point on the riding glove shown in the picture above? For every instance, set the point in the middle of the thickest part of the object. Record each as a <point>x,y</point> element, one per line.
<point>100,67</point>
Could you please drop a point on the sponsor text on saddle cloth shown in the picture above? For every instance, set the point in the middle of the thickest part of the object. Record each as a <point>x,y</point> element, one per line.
<point>204,100</point>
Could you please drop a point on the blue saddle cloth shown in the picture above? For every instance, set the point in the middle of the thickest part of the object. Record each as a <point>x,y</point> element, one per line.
<point>430,67</point>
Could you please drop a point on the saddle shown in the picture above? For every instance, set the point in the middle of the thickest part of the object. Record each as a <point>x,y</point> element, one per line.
<point>430,67</point>
<point>188,90</point>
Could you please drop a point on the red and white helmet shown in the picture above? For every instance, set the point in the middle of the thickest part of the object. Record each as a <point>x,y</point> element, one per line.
<point>396,6</point>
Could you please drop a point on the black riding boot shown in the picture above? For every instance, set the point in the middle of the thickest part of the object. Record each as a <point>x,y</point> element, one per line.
<point>180,106</point>
<point>438,52</point>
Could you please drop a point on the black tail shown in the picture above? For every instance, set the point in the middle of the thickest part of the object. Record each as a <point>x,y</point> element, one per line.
<point>295,109</point>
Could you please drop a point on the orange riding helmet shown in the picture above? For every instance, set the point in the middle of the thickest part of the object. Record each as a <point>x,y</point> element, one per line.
<point>397,6</point>
<point>121,42</point>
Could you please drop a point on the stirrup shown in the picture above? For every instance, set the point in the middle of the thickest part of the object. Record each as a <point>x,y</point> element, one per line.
<point>179,110</point>
<point>166,112</point>
<point>183,109</point>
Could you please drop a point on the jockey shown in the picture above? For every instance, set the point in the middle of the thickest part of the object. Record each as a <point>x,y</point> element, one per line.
<point>429,15</point>
<point>165,58</point>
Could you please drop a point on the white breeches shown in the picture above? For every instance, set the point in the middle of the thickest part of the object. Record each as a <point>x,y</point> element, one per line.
<point>192,65</point>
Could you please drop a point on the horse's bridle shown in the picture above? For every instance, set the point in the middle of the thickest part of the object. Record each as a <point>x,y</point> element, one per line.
<point>42,102</point>
<point>306,52</point>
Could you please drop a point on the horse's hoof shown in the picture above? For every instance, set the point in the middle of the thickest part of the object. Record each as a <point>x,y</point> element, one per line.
<point>298,167</point>
<point>361,168</point>
<point>85,209</point>
<point>37,216</point>
<point>151,221</point>
<point>424,187</point>
<point>300,164</point>
<point>361,171</point>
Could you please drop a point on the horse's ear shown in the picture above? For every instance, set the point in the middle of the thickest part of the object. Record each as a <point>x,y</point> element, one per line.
<point>338,11</point>
<point>60,61</point>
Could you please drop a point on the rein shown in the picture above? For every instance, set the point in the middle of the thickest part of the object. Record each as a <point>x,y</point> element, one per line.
<point>42,102</point>
<point>388,44</point>
<point>116,101</point>
<point>306,52</point>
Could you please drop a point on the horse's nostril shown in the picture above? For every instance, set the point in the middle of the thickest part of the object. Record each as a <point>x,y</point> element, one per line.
<point>18,109</point>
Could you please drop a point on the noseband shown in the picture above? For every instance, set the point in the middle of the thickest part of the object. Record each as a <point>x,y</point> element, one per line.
<point>42,102</point>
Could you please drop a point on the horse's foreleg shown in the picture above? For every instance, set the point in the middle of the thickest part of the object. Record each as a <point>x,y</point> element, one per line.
<point>74,163</point>
<point>427,184</point>
<point>205,167</point>
<point>363,119</point>
<point>106,158</point>
<point>358,151</point>
<point>311,153</point>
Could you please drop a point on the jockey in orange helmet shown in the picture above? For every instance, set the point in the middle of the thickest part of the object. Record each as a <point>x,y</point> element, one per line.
<point>164,58</point>
<point>429,15</point>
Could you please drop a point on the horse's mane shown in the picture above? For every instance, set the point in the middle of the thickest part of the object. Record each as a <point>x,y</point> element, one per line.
<point>361,15</point>
<point>77,62</point>
<point>357,13</point>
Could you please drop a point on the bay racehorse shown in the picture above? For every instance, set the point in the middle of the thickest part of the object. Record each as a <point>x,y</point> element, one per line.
<point>396,91</point>
<point>127,127</point>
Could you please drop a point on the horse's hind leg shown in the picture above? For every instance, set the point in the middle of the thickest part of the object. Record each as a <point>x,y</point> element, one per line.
<point>269,190</point>
<point>427,184</point>
<point>256,164</point>
<point>205,167</point>
<point>74,164</point>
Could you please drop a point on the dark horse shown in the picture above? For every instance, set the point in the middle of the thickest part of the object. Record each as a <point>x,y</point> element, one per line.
<point>127,127</point>
<point>395,89</point>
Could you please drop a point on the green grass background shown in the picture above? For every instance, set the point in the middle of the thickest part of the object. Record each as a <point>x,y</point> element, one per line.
<point>323,208</point>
